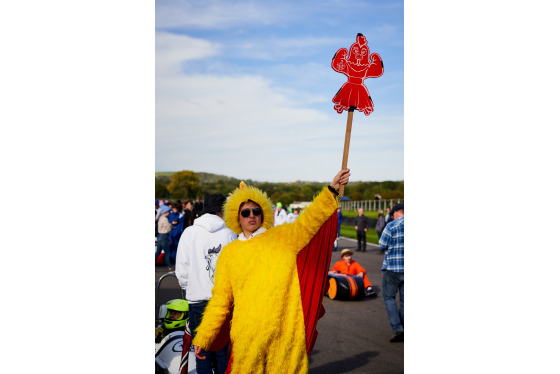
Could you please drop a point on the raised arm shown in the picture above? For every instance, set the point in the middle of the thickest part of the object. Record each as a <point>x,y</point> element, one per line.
<point>340,179</point>
<point>315,215</point>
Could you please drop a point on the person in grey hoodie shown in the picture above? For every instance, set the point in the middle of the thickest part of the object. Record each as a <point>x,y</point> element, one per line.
<point>380,225</point>
<point>197,254</point>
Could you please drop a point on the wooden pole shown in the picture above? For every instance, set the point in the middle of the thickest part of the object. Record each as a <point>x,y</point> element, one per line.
<point>346,144</point>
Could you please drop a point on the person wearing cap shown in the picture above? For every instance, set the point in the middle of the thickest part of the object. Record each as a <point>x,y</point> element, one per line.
<point>199,248</point>
<point>257,278</point>
<point>158,214</point>
<point>164,227</point>
<point>351,267</point>
<point>392,243</point>
<point>280,215</point>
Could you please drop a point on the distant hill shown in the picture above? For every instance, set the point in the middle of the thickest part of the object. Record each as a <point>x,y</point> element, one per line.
<point>164,173</point>
<point>203,177</point>
<point>213,178</point>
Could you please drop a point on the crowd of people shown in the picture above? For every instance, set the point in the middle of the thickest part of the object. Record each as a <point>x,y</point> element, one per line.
<point>171,219</point>
<point>261,249</point>
<point>177,216</point>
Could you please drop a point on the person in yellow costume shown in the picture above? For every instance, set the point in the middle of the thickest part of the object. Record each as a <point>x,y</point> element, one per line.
<point>257,276</point>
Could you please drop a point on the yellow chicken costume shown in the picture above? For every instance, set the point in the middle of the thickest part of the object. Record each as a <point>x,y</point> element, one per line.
<point>259,279</point>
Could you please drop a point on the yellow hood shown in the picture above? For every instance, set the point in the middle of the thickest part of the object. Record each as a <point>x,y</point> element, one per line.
<point>241,195</point>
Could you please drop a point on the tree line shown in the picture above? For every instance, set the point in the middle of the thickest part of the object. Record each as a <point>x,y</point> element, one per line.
<point>188,184</point>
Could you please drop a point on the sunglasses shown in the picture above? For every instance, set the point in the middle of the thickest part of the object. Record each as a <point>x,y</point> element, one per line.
<point>247,212</point>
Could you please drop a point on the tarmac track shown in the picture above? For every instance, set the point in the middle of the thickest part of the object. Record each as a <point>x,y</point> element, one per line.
<point>353,336</point>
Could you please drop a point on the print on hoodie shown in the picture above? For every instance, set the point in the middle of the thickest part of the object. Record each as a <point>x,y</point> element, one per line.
<point>211,260</point>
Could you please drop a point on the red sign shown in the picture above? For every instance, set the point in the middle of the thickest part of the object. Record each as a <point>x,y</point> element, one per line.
<point>357,65</point>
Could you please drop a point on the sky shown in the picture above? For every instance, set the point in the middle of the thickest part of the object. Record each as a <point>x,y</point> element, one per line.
<point>244,89</point>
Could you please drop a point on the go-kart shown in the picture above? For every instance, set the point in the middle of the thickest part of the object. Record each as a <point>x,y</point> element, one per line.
<point>169,349</point>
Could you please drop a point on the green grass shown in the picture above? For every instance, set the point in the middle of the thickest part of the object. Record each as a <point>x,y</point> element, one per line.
<point>354,213</point>
<point>350,232</point>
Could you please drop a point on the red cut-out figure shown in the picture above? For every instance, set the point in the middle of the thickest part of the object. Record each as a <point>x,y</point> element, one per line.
<point>357,66</point>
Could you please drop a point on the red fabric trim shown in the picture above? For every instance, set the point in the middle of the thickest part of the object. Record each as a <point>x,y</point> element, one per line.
<point>313,265</point>
<point>223,336</point>
<point>230,362</point>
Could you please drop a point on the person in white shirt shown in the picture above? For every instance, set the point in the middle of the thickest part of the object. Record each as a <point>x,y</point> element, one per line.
<point>292,216</point>
<point>279,215</point>
<point>197,255</point>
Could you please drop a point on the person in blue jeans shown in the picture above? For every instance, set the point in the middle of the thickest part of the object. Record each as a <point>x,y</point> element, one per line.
<point>176,219</point>
<point>164,227</point>
<point>217,359</point>
<point>392,243</point>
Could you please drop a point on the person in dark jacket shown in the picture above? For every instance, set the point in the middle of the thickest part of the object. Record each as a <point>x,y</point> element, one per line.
<point>189,217</point>
<point>360,224</point>
<point>198,207</point>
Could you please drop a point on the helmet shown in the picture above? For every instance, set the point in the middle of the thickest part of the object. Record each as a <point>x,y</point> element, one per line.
<point>177,305</point>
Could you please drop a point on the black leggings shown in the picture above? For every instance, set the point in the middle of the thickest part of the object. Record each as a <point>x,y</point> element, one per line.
<point>361,239</point>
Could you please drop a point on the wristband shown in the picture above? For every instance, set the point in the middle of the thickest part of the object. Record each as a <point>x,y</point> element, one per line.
<point>331,188</point>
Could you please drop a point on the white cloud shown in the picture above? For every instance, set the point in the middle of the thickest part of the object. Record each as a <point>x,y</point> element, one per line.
<point>243,127</point>
<point>229,14</point>
<point>212,14</point>
<point>172,49</point>
<point>273,48</point>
